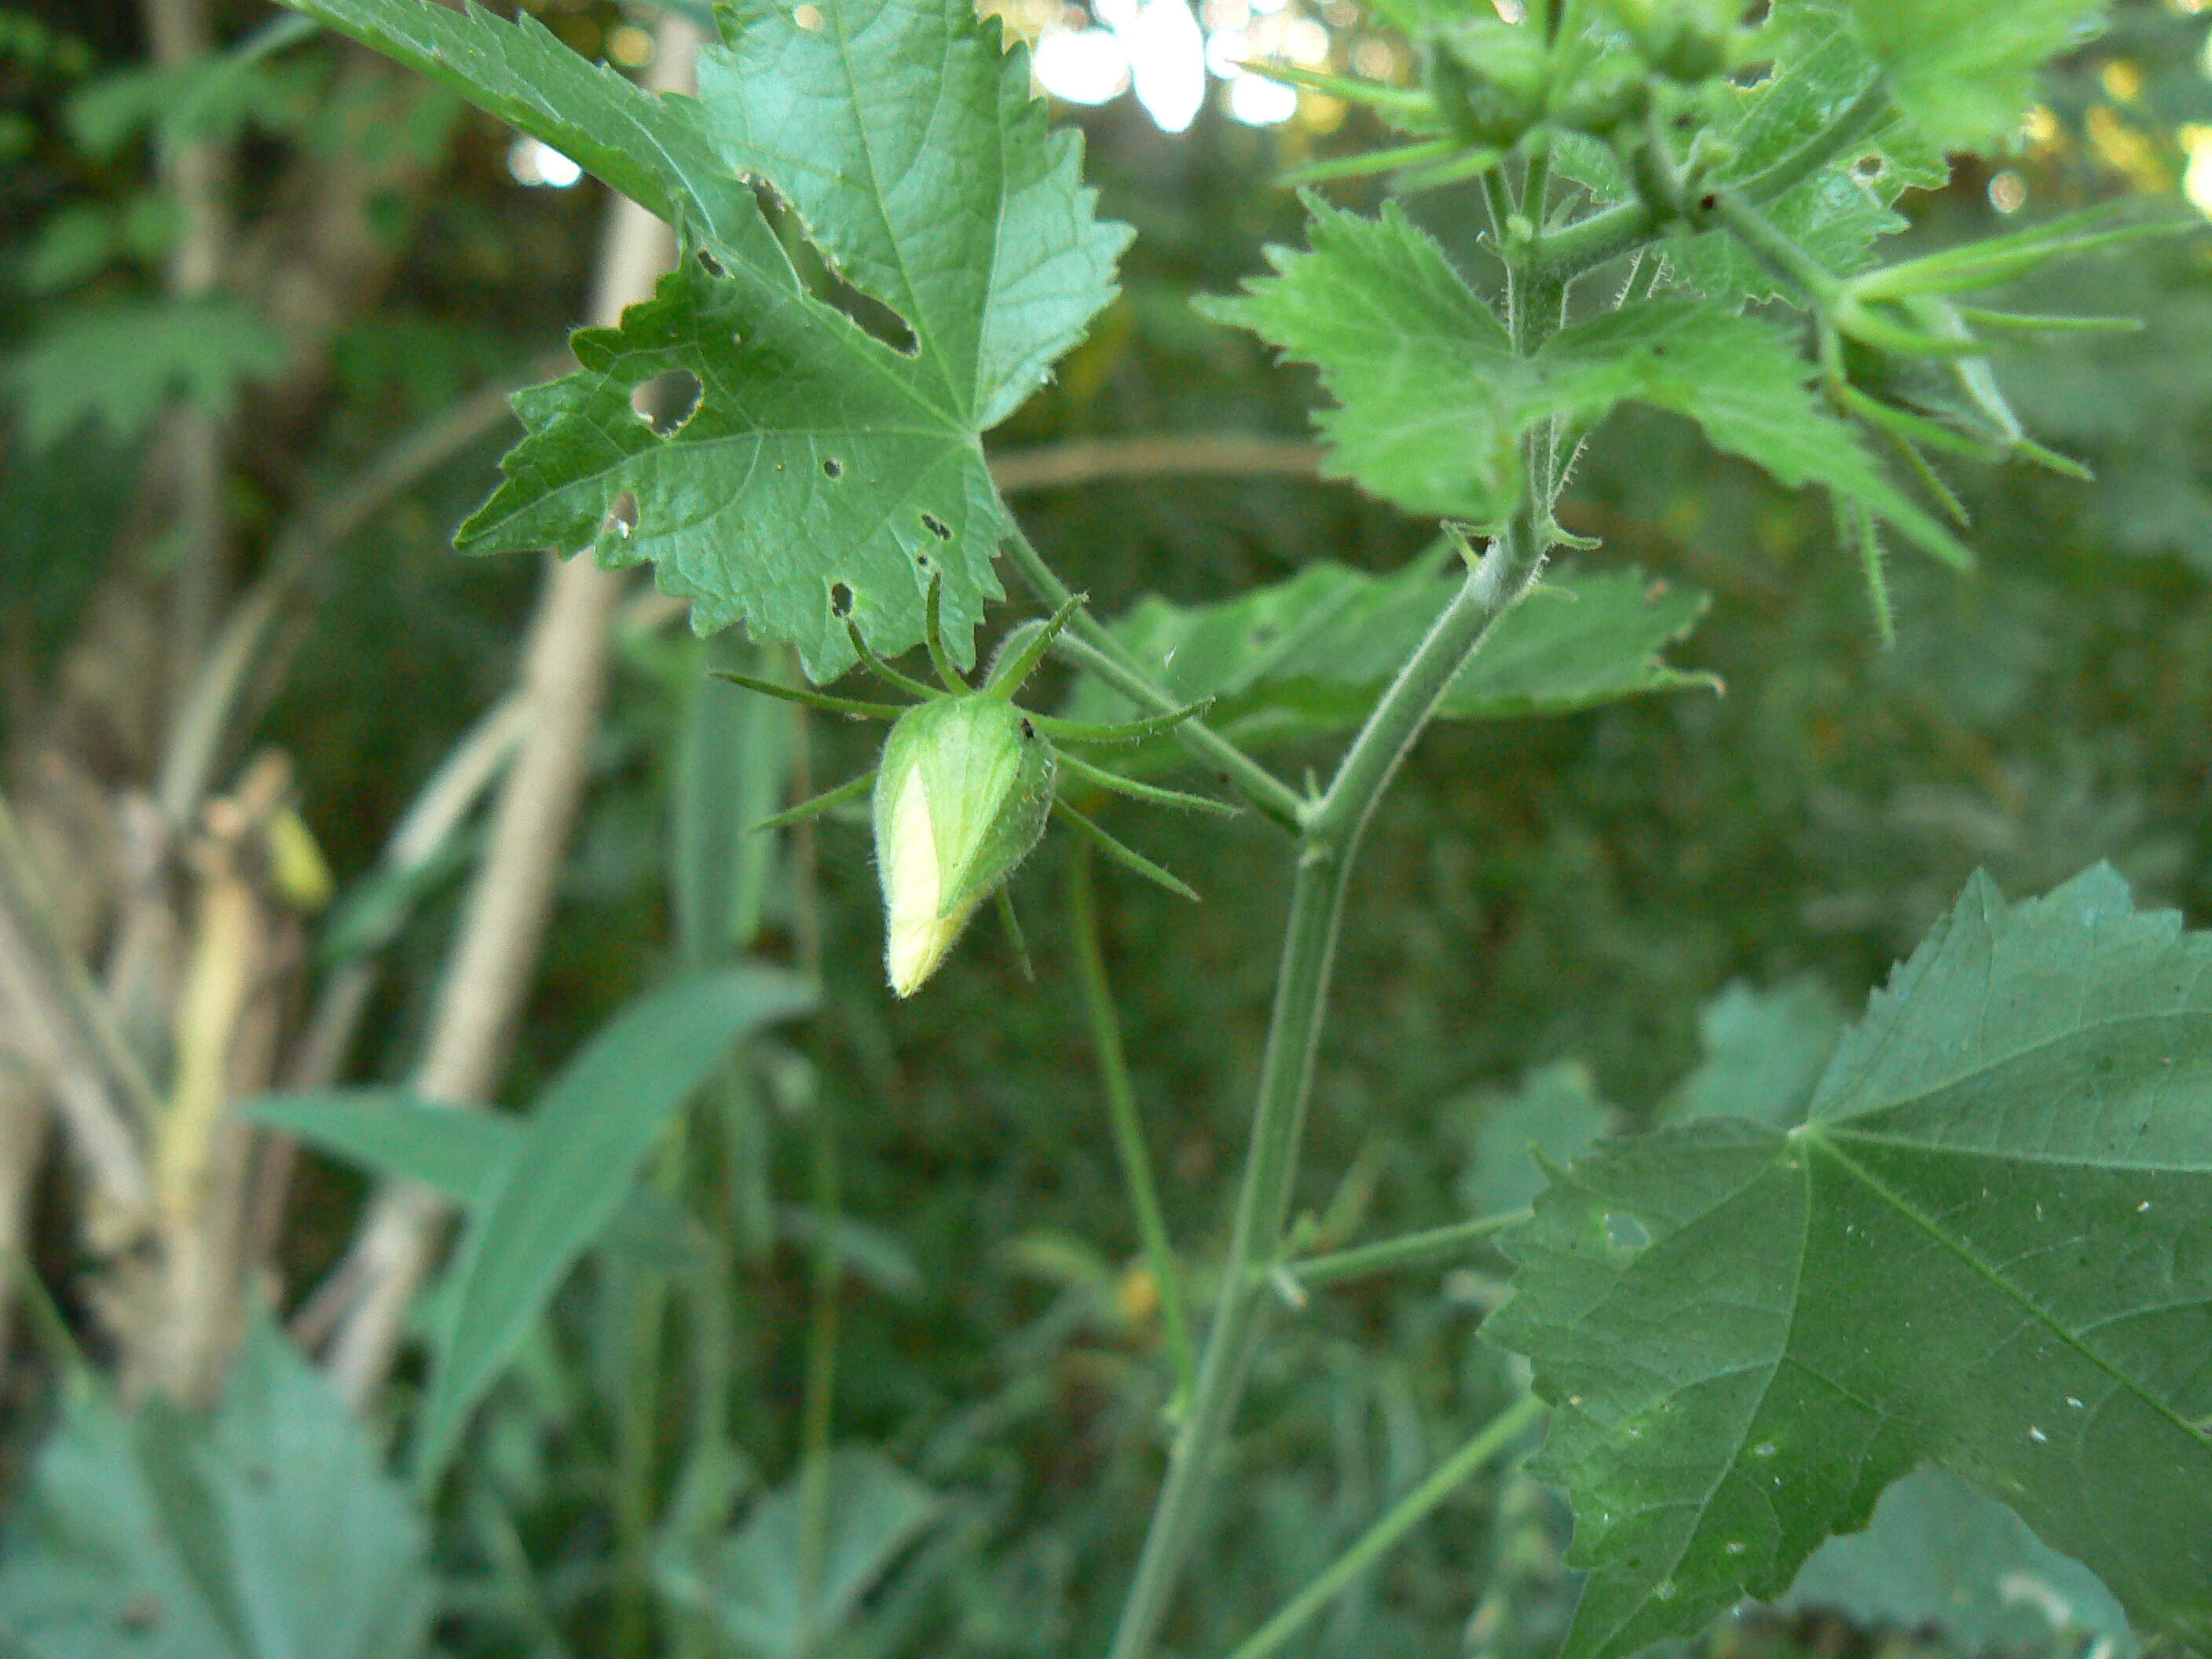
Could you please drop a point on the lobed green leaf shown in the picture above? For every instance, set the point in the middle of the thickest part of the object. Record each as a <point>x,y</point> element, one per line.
<point>1983,1250</point>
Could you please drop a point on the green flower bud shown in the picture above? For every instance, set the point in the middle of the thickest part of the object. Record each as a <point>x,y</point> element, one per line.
<point>1489,80</point>
<point>962,796</point>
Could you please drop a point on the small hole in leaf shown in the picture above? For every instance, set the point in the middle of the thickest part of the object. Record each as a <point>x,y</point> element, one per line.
<point>841,598</point>
<point>621,517</point>
<point>668,400</point>
<point>1707,202</point>
<point>833,468</point>
<point>1869,167</point>
<point>1624,1232</point>
<point>936,526</point>
<point>709,263</point>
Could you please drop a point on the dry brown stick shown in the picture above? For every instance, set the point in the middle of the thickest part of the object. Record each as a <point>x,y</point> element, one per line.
<point>209,717</point>
<point>24,1123</point>
<point>488,972</point>
<point>65,1030</point>
<point>1095,460</point>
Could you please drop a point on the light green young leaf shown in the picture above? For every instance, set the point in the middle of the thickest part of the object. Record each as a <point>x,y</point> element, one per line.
<point>118,366</point>
<point>1940,1556</point>
<point>1309,655</point>
<point>755,1580</point>
<point>267,1531</point>
<point>585,1137</point>
<point>1432,401</point>
<point>1964,70</point>
<point>1840,210</point>
<point>825,473</point>
<point>1982,1251</point>
<point>1764,1053</point>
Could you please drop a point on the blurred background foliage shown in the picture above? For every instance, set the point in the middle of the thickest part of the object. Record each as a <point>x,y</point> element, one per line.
<point>1560,921</point>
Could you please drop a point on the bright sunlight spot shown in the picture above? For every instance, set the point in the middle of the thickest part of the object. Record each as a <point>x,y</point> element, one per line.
<point>2196,182</point>
<point>1262,103</point>
<point>533,162</point>
<point>1167,59</point>
<point>1083,66</point>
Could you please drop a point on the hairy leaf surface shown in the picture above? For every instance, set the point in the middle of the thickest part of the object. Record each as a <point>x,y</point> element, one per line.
<point>1431,400</point>
<point>1985,1250</point>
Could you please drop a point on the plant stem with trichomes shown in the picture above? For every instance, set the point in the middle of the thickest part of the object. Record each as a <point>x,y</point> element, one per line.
<point>1332,825</point>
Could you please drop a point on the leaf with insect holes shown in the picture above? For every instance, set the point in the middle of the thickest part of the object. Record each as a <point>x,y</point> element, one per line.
<point>1433,401</point>
<point>823,468</point>
<point>1838,210</point>
<point>1985,1249</point>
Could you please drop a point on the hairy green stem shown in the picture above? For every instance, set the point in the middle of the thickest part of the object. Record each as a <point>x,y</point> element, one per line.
<point>1402,1517</point>
<point>1128,1126</point>
<point>1424,1248</point>
<point>1263,1205</point>
<point>1627,226</point>
<point>1105,657</point>
<point>1334,826</point>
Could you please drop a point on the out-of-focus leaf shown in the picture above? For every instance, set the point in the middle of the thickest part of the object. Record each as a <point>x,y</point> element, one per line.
<point>733,769</point>
<point>269,1530</point>
<point>1939,1556</point>
<point>1556,1112</point>
<point>1964,70</point>
<point>1764,1053</point>
<point>459,1150</point>
<point>1310,655</point>
<point>1981,1251</point>
<point>118,366</point>
<point>585,1138</point>
<point>755,1580</point>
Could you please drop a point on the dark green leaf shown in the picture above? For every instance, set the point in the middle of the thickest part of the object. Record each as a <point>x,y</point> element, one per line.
<point>652,147</point>
<point>585,1137</point>
<point>1310,655</point>
<point>1983,1250</point>
<point>818,459</point>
